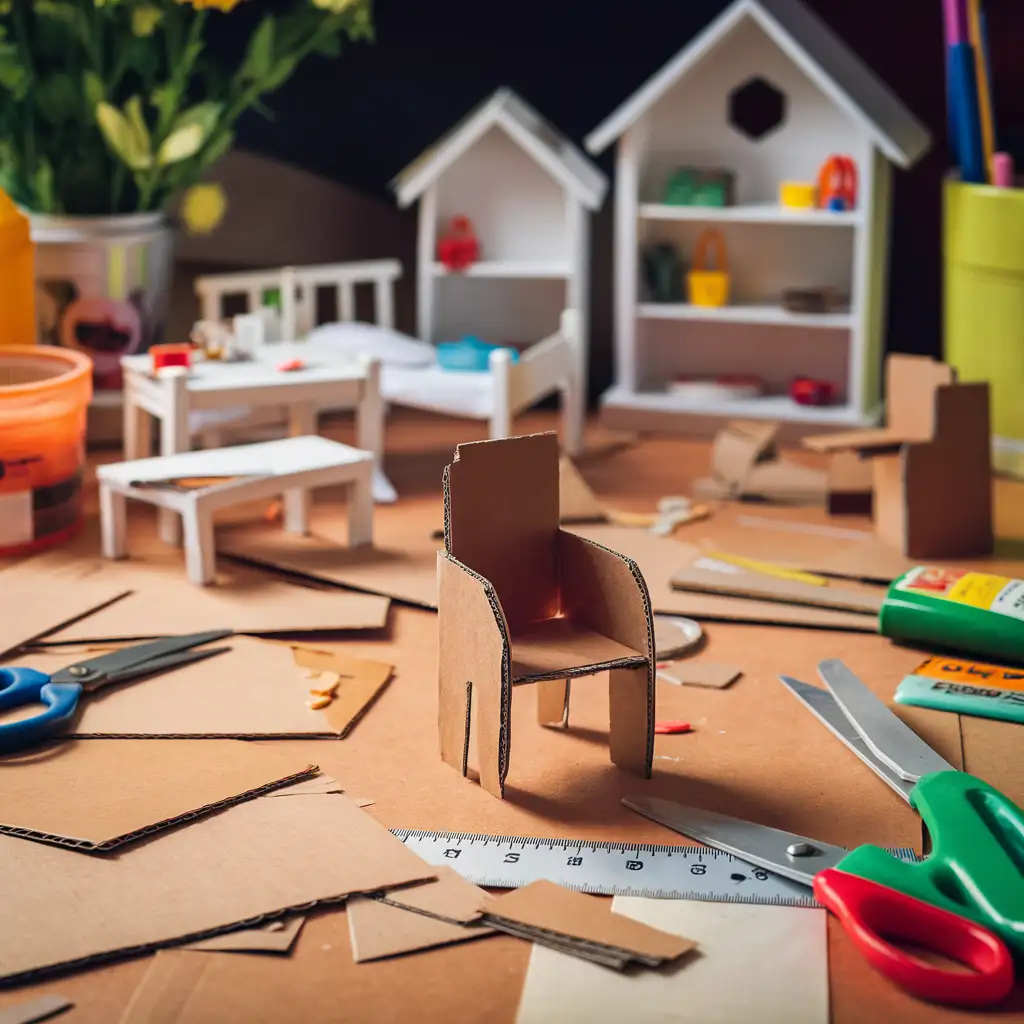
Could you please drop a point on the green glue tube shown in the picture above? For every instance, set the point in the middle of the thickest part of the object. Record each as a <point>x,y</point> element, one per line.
<point>957,609</point>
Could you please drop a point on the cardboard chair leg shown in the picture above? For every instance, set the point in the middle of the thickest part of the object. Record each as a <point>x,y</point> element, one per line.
<point>631,734</point>
<point>553,702</point>
<point>491,716</point>
<point>454,709</point>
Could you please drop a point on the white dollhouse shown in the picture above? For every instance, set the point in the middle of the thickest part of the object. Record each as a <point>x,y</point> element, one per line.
<point>768,92</point>
<point>528,193</point>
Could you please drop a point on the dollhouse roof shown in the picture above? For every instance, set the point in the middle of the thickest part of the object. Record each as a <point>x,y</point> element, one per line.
<point>504,109</point>
<point>811,46</point>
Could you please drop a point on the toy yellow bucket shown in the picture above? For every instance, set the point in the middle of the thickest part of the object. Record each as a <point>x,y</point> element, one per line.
<point>709,287</point>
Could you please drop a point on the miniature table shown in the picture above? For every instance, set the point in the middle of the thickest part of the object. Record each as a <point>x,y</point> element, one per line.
<point>324,381</point>
<point>290,467</point>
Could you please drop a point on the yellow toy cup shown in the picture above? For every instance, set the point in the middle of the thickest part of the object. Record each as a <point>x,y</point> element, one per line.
<point>709,287</point>
<point>798,195</point>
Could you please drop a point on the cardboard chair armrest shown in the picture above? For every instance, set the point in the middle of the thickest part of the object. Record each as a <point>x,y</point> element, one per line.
<point>471,624</point>
<point>605,592</point>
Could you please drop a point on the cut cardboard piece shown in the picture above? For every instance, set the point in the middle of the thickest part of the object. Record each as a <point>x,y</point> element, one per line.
<point>771,588</point>
<point>166,987</point>
<point>43,1008</point>
<point>521,600</point>
<point>700,672</point>
<point>31,608</point>
<point>577,503</point>
<point>746,465</point>
<point>255,690</point>
<point>406,573</point>
<point>96,796</point>
<point>361,682</point>
<point>245,601</point>
<point>450,897</point>
<point>274,937</point>
<point>753,963</point>
<point>932,463</point>
<point>659,558</point>
<point>850,485</point>
<point>550,914</point>
<point>378,930</point>
<point>256,860</point>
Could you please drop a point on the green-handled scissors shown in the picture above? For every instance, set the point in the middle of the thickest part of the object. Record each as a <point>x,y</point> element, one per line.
<point>60,693</point>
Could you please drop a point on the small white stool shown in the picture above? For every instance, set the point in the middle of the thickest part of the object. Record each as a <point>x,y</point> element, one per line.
<point>290,467</point>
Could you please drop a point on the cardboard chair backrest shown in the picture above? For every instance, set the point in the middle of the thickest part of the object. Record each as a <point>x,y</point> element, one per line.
<point>911,384</point>
<point>501,520</point>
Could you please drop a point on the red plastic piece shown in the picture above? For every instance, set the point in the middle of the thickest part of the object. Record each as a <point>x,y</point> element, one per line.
<point>837,184</point>
<point>868,911</point>
<point>459,248</point>
<point>808,391</point>
<point>179,354</point>
<point>671,728</point>
<point>291,364</point>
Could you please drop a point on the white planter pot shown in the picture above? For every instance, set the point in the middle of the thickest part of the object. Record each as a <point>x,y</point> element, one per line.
<point>103,287</point>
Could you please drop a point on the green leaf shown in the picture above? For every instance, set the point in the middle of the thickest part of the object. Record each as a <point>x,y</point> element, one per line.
<point>42,182</point>
<point>217,147</point>
<point>180,145</point>
<point>328,44</point>
<point>259,59</point>
<point>165,98</point>
<point>205,115</point>
<point>122,137</point>
<point>133,111</point>
<point>58,98</point>
<point>280,74</point>
<point>95,90</point>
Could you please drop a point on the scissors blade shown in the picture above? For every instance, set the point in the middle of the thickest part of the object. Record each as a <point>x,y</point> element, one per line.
<point>892,741</point>
<point>826,709</point>
<point>157,665</point>
<point>130,661</point>
<point>757,844</point>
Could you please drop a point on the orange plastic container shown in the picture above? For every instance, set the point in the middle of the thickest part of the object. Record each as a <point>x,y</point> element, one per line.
<point>44,398</point>
<point>17,277</point>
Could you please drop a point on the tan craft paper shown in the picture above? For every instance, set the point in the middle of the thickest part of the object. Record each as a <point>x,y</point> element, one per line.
<point>253,691</point>
<point>256,860</point>
<point>361,683</point>
<point>31,608</point>
<point>450,898</point>
<point>274,937</point>
<point>103,794</point>
<point>42,1008</point>
<point>699,673</point>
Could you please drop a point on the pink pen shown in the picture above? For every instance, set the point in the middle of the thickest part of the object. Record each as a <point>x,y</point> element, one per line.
<point>1002,170</point>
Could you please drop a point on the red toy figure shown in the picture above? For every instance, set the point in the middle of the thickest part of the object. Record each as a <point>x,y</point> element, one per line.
<point>459,248</point>
<point>837,184</point>
<point>807,391</point>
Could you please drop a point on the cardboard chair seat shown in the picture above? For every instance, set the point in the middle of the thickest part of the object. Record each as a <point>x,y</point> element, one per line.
<point>557,649</point>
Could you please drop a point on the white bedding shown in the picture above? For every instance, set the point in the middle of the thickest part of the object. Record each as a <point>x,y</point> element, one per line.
<point>437,390</point>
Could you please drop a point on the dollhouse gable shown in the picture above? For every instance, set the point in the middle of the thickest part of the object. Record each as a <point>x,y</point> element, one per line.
<point>808,44</point>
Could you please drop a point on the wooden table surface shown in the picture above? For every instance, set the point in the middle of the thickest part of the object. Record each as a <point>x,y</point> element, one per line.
<point>754,753</point>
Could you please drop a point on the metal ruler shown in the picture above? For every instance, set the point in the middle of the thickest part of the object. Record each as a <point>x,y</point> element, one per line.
<point>621,869</point>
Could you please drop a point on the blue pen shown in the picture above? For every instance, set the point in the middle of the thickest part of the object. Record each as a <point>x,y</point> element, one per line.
<point>967,116</point>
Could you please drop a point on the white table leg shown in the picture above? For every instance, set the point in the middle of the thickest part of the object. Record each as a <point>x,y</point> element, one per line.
<point>200,550</point>
<point>297,504</point>
<point>360,511</point>
<point>302,419</point>
<point>370,415</point>
<point>174,438</point>
<point>113,522</point>
<point>137,428</point>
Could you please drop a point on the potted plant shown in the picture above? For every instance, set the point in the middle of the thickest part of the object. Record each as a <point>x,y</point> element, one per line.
<point>111,112</point>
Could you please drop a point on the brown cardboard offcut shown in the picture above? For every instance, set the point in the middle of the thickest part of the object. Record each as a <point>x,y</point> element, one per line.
<point>583,925</point>
<point>699,672</point>
<point>254,861</point>
<point>274,937</point>
<point>39,1009</point>
<point>772,588</point>
<point>253,691</point>
<point>362,681</point>
<point>577,503</point>
<point>100,795</point>
<point>450,897</point>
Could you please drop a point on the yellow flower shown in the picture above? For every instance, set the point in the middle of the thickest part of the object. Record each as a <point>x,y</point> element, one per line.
<point>218,5</point>
<point>335,6</point>
<point>145,20</point>
<point>203,208</point>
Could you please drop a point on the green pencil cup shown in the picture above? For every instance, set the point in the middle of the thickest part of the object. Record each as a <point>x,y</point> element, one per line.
<point>983,256</point>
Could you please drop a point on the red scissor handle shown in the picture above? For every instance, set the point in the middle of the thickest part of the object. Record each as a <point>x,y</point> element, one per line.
<point>869,912</point>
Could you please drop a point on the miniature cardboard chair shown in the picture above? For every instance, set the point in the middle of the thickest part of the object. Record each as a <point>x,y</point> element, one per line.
<point>522,601</point>
<point>931,465</point>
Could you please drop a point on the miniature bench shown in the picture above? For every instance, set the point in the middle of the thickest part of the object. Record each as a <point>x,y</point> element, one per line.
<point>196,484</point>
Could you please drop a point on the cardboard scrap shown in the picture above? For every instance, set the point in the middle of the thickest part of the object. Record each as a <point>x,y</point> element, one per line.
<point>34,607</point>
<point>450,897</point>
<point>273,937</point>
<point>577,502</point>
<point>361,682</point>
<point>166,988</point>
<point>256,860</point>
<point>660,557</point>
<point>761,586</point>
<point>96,796</point>
<point>754,963</point>
<point>582,925</point>
<point>253,691</point>
<point>34,1010</point>
<point>700,672</point>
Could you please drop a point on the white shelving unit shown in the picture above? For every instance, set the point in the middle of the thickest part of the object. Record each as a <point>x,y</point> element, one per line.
<point>529,193</point>
<point>684,116</point>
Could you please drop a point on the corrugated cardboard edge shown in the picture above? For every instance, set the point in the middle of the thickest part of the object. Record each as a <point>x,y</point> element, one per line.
<point>109,844</point>
<point>34,1010</point>
<point>66,622</point>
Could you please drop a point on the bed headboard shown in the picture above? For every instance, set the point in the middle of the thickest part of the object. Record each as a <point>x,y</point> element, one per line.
<point>299,287</point>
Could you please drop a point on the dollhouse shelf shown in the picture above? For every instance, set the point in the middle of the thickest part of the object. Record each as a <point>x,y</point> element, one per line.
<point>770,407</point>
<point>753,213</point>
<point>743,314</point>
<point>523,270</point>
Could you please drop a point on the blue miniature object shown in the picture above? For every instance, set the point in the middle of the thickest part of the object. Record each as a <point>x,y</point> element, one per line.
<point>469,355</point>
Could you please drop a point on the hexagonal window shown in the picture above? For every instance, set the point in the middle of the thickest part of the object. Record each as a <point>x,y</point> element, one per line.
<point>756,108</point>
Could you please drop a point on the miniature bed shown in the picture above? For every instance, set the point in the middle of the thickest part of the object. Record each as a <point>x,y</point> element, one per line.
<point>288,300</point>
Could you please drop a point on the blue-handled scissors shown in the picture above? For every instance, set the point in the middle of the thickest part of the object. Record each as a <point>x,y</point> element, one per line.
<point>60,693</point>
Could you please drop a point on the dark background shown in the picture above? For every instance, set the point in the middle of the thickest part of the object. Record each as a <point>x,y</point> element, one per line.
<point>361,118</point>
